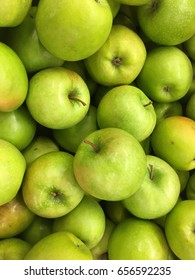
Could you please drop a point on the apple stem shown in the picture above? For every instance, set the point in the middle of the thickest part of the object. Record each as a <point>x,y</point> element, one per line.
<point>151,171</point>
<point>91,144</point>
<point>77,99</point>
<point>149,103</point>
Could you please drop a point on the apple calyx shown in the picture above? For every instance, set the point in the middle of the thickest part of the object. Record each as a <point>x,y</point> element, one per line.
<point>117,61</point>
<point>149,103</point>
<point>151,171</point>
<point>167,88</point>
<point>95,148</point>
<point>71,96</point>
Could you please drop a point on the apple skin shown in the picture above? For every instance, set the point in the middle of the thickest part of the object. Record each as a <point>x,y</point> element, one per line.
<point>119,60</point>
<point>164,110</point>
<point>51,98</point>
<point>173,74</point>
<point>15,217</point>
<point>128,108</point>
<point>90,217</point>
<point>53,191</point>
<point>132,2</point>
<point>70,138</point>
<point>190,107</point>
<point>158,193</point>
<point>189,47</point>
<point>179,230</point>
<point>13,80</point>
<point>102,165</point>
<point>17,127</point>
<point>155,16</point>
<point>24,41</point>
<point>59,246</point>
<point>13,248</point>
<point>12,13</point>
<point>12,170</point>
<point>137,239</point>
<point>115,211</point>
<point>73,35</point>
<point>114,6</point>
<point>175,134</point>
<point>190,187</point>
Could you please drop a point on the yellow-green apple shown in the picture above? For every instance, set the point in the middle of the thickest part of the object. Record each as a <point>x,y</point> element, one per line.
<point>173,140</point>
<point>12,170</point>
<point>70,138</point>
<point>158,193</point>
<point>127,107</point>
<point>167,109</point>
<point>115,211</point>
<point>13,79</point>
<point>72,34</point>
<point>40,145</point>
<point>13,248</point>
<point>190,187</point>
<point>58,98</point>
<point>17,127</point>
<point>180,230</point>
<point>38,229</point>
<point>173,74</point>
<point>86,221</point>
<point>103,166</point>
<point>167,23</point>
<point>114,6</point>
<point>189,47</point>
<point>190,107</point>
<point>59,246</point>
<point>137,239</point>
<point>49,188</point>
<point>13,12</point>
<point>24,41</point>
<point>15,217</point>
<point>119,60</point>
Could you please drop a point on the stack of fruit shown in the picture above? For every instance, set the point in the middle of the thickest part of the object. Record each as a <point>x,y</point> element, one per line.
<point>97,129</point>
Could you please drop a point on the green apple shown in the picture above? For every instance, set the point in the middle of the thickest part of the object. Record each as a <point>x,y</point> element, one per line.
<point>24,41</point>
<point>12,13</point>
<point>114,6</point>
<point>12,170</point>
<point>127,107</point>
<point>115,211</point>
<point>110,164</point>
<point>15,217</point>
<point>101,249</point>
<point>13,248</point>
<point>59,246</point>
<point>70,34</point>
<point>38,229</point>
<point>58,98</point>
<point>17,127</point>
<point>189,46</point>
<point>167,109</point>
<point>137,239</point>
<point>158,193</point>
<point>173,140</point>
<point>190,107</point>
<point>49,188</point>
<point>190,187</point>
<point>39,146</point>
<point>167,23</point>
<point>180,230</point>
<point>173,74</point>
<point>70,138</point>
<point>86,221</point>
<point>119,60</point>
<point>13,79</point>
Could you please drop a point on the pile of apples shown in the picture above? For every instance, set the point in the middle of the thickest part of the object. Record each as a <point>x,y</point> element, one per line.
<point>97,129</point>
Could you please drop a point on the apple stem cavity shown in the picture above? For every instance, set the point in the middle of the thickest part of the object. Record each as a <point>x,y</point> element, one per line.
<point>95,148</point>
<point>72,97</point>
<point>151,171</point>
<point>149,103</point>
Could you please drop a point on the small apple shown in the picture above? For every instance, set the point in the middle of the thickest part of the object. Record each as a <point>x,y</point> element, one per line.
<point>137,239</point>
<point>167,109</point>
<point>190,107</point>
<point>86,221</point>
<point>17,127</point>
<point>158,193</point>
<point>173,140</point>
<point>15,217</point>
<point>173,74</point>
<point>70,34</point>
<point>110,164</point>
<point>190,187</point>
<point>128,108</point>
<point>58,98</point>
<point>12,13</point>
<point>49,188</point>
<point>13,80</point>
<point>180,230</point>
<point>59,246</point>
<point>12,170</point>
<point>70,138</point>
<point>119,60</point>
<point>156,15</point>
<point>13,248</point>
